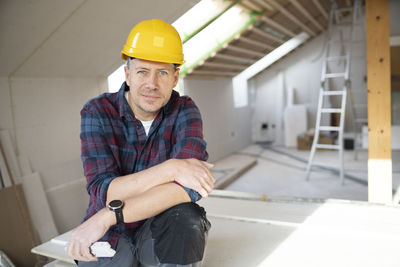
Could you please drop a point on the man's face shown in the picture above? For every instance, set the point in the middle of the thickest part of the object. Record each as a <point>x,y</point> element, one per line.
<point>151,84</point>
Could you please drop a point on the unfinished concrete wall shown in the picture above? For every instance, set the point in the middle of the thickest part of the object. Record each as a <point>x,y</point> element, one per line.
<point>301,71</point>
<point>47,126</point>
<point>226,128</point>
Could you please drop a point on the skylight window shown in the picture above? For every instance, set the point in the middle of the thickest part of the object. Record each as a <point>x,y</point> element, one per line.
<point>115,79</point>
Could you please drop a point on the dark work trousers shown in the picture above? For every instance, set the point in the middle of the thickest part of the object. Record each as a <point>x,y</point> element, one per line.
<point>174,238</point>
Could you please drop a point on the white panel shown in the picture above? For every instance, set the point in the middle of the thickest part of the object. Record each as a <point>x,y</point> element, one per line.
<point>240,80</point>
<point>5,176</point>
<point>10,156</point>
<point>226,129</point>
<point>380,181</point>
<point>68,204</point>
<point>295,123</point>
<point>25,165</point>
<point>47,113</point>
<point>39,207</point>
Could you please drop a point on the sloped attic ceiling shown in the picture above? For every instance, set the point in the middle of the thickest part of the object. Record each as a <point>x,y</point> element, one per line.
<point>73,38</point>
<point>275,22</point>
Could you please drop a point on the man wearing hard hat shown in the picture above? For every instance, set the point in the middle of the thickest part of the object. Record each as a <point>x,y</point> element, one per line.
<point>144,159</point>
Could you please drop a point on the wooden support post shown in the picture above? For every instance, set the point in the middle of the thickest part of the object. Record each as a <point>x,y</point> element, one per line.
<point>379,113</point>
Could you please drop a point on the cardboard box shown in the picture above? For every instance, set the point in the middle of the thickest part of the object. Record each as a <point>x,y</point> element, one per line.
<point>304,141</point>
<point>16,231</point>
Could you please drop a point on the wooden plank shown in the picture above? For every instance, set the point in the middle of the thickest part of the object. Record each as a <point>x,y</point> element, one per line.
<point>290,16</point>
<point>279,27</point>
<point>321,9</point>
<point>267,35</point>
<point>256,43</point>
<point>225,65</point>
<point>245,51</point>
<point>306,14</point>
<point>379,103</point>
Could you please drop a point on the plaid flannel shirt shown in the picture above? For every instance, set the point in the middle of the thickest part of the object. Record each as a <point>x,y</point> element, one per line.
<point>114,143</point>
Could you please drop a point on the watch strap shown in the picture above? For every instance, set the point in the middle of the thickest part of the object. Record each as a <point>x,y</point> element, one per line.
<point>119,216</point>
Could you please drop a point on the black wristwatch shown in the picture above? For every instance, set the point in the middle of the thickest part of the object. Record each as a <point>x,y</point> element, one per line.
<point>116,206</point>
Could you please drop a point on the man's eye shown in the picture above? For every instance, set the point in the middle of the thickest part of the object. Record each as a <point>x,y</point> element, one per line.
<point>163,72</point>
<point>141,72</point>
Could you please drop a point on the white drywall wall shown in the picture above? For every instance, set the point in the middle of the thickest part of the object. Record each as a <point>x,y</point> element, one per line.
<point>6,120</point>
<point>226,129</point>
<point>47,126</point>
<point>302,71</point>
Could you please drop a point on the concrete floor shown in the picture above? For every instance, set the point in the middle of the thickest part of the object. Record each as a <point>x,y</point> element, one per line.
<point>284,220</point>
<point>280,172</point>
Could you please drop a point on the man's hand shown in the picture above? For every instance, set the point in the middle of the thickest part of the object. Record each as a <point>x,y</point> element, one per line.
<point>83,236</point>
<point>193,174</point>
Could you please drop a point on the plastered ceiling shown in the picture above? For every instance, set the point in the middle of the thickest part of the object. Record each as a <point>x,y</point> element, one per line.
<point>73,38</point>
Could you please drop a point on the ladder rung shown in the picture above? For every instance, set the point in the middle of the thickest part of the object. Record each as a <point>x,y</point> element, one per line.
<point>333,92</point>
<point>325,146</point>
<point>335,75</point>
<point>329,128</point>
<point>336,58</point>
<point>331,110</point>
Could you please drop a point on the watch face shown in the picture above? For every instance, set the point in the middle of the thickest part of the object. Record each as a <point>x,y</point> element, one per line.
<point>115,204</point>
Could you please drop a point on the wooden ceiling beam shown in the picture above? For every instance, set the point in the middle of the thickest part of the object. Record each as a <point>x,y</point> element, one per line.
<point>213,73</point>
<point>225,65</point>
<point>251,5</point>
<point>256,43</point>
<point>307,14</point>
<point>245,51</point>
<point>235,59</point>
<point>279,27</point>
<point>263,4</point>
<point>290,16</point>
<point>321,9</point>
<point>267,35</point>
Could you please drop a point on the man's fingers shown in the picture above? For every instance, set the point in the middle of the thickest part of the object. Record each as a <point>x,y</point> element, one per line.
<point>207,164</point>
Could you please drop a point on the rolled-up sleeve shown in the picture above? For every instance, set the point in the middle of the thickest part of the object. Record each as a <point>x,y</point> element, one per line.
<point>189,138</point>
<point>98,161</point>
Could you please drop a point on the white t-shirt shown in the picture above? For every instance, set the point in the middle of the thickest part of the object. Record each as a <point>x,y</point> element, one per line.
<point>146,124</point>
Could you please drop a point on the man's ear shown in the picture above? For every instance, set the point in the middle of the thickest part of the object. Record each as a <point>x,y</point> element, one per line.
<point>127,75</point>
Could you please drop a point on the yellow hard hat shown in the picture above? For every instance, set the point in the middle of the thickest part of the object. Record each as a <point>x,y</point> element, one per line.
<point>154,40</point>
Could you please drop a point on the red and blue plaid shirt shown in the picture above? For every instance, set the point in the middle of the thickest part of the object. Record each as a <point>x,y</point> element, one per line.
<point>114,143</point>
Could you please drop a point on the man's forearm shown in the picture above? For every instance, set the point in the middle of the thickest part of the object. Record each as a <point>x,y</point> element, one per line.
<point>151,203</point>
<point>191,173</point>
<point>131,185</point>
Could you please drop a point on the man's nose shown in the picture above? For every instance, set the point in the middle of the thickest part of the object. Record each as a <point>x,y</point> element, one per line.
<point>152,80</point>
